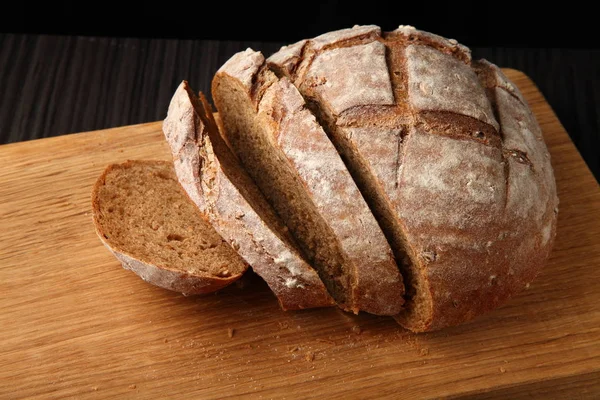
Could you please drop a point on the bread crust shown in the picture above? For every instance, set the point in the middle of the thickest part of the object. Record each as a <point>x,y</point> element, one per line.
<point>377,284</point>
<point>162,276</point>
<point>456,155</point>
<point>200,156</point>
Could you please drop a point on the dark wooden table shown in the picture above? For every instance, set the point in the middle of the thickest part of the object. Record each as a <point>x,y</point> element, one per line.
<point>55,85</point>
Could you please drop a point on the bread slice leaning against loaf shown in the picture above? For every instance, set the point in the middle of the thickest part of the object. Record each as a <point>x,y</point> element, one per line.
<point>143,216</point>
<point>229,199</point>
<point>289,156</point>
<point>448,156</point>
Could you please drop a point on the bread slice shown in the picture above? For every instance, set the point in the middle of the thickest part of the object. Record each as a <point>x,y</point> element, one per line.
<point>297,168</point>
<point>470,215</point>
<point>143,216</point>
<point>227,196</point>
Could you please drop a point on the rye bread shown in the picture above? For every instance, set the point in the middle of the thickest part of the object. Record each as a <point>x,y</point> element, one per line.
<point>229,199</point>
<point>447,154</point>
<point>143,216</point>
<point>289,156</point>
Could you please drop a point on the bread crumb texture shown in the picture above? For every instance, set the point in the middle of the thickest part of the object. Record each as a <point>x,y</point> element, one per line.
<point>143,212</point>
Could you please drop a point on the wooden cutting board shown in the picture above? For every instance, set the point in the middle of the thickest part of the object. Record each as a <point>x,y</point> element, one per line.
<point>73,323</point>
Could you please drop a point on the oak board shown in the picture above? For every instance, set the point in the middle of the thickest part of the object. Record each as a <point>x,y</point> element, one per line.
<point>74,324</point>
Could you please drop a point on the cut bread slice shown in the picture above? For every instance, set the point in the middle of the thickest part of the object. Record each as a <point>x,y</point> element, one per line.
<point>437,160</point>
<point>226,195</point>
<point>143,216</point>
<point>289,156</point>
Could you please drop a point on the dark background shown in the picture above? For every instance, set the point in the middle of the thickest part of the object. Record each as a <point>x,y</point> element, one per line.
<point>74,66</point>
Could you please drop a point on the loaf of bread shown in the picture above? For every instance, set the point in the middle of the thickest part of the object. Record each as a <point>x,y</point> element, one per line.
<point>448,156</point>
<point>287,153</point>
<point>225,194</point>
<point>143,216</point>
<point>387,172</point>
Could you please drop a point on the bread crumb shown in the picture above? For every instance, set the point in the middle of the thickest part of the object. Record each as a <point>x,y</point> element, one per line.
<point>429,256</point>
<point>424,352</point>
<point>502,369</point>
<point>293,349</point>
<point>230,332</point>
<point>283,325</point>
<point>310,356</point>
<point>356,329</point>
<point>95,388</point>
<point>133,386</point>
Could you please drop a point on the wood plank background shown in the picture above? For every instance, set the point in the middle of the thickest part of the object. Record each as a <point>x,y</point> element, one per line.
<point>54,85</point>
<point>74,324</point>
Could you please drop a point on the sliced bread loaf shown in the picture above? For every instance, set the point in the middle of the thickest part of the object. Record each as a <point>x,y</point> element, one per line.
<point>446,153</point>
<point>289,156</point>
<point>143,216</point>
<point>213,178</point>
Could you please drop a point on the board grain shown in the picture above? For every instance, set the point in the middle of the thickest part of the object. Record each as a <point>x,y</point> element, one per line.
<point>74,324</point>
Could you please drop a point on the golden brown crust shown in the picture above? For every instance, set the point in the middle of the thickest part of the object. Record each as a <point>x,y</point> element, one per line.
<point>162,276</point>
<point>455,158</point>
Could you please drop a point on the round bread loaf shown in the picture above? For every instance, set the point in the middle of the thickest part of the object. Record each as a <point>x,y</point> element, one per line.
<point>448,156</point>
